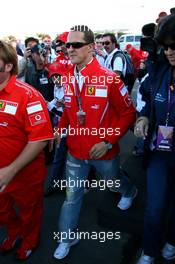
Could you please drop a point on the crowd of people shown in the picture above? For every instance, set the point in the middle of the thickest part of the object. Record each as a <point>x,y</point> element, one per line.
<point>56,99</point>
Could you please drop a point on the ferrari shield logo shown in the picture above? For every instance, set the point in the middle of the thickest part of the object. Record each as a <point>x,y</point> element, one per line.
<point>2,104</point>
<point>91,90</point>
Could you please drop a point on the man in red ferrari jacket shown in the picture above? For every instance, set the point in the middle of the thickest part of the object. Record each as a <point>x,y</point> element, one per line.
<point>24,131</point>
<point>98,112</point>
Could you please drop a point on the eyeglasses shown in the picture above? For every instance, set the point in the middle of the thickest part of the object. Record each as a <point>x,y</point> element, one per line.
<point>171,46</point>
<point>106,43</point>
<point>76,45</point>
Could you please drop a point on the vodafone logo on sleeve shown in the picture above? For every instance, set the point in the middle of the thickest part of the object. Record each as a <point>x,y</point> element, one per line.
<point>38,118</point>
<point>35,113</point>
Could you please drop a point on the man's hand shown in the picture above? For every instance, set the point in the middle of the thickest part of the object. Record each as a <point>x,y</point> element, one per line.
<point>6,175</point>
<point>141,127</point>
<point>44,59</point>
<point>98,150</point>
<point>27,53</point>
<point>60,103</point>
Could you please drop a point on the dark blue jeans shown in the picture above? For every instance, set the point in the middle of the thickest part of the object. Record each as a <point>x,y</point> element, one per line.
<point>160,193</point>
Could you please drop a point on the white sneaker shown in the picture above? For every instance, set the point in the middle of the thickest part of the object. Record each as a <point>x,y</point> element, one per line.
<point>168,252</point>
<point>126,202</point>
<point>63,249</point>
<point>144,259</point>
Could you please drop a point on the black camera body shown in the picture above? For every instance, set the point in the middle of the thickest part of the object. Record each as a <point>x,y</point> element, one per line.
<point>149,44</point>
<point>41,49</point>
<point>155,51</point>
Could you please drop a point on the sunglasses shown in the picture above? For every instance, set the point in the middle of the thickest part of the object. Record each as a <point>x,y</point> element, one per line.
<point>106,43</point>
<point>76,45</point>
<point>59,44</point>
<point>171,46</point>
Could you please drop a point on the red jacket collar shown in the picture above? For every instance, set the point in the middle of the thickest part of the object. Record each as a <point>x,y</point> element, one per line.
<point>10,85</point>
<point>88,70</point>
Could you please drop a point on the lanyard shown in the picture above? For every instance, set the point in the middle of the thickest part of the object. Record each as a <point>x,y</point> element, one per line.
<point>169,105</point>
<point>78,95</point>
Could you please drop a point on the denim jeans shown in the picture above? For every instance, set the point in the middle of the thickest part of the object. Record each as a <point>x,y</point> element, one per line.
<point>77,170</point>
<point>160,192</point>
<point>139,145</point>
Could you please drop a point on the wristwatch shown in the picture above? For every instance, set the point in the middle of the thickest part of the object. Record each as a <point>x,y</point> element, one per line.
<point>108,144</point>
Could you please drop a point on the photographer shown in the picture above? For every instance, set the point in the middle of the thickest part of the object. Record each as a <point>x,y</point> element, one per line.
<point>37,75</point>
<point>156,125</point>
<point>26,61</point>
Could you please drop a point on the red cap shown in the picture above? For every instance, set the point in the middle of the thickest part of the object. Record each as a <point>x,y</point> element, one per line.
<point>63,37</point>
<point>128,46</point>
<point>161,15</point>
<point>55,68</point>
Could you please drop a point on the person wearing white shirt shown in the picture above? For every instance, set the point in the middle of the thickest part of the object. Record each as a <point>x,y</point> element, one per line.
<point>111,46</point>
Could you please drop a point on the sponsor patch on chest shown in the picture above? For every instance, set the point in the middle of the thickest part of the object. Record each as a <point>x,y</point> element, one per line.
<point>67,89</point>
<point>96,91</point>
<point>159,98</point>
<point>8,107</point>
<point>95,106</point>
<point>67,99</point>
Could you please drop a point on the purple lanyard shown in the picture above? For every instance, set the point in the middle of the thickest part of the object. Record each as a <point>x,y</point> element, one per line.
<point>170,103</point>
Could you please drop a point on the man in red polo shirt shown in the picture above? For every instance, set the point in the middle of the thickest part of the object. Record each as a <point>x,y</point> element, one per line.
<point>24,131</point>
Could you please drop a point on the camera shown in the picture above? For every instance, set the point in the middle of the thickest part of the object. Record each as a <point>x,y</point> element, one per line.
<point>153,48</point>
<point>41,49</point>
<point>149,44</point>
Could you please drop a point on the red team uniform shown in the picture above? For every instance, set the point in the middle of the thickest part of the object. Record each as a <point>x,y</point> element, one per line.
<point>23,119</point>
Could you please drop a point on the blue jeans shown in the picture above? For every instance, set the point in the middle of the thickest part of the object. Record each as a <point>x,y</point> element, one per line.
<point>160,192</point>
<point>77,170</point>
<point>140,145</point>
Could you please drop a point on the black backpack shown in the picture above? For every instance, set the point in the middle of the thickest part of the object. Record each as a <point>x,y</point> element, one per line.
<point>129,77</point>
